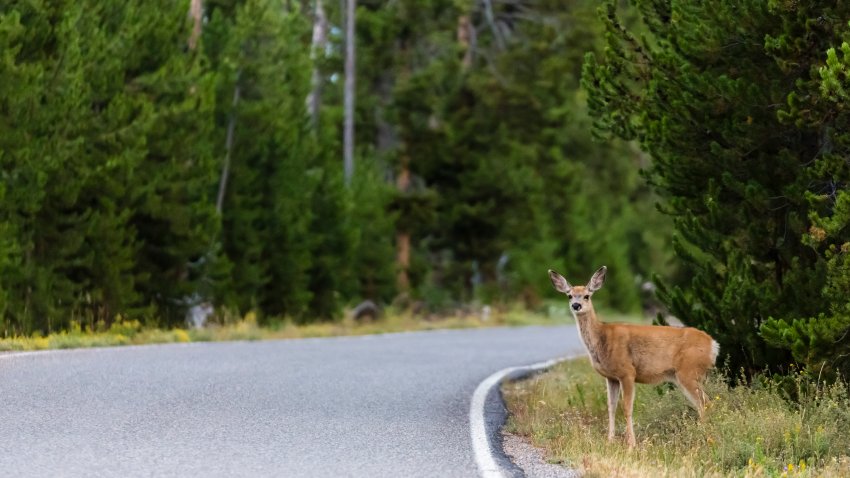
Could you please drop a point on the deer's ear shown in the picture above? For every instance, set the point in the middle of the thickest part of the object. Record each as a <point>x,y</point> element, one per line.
<point>561,284</point>
<point>597,280</point>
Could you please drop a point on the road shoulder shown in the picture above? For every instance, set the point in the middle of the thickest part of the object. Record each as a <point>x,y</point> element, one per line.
<point>487,416</point>
<point>531,460</point>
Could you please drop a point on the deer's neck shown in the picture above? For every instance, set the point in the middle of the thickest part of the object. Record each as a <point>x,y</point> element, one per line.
<point>589,328</point>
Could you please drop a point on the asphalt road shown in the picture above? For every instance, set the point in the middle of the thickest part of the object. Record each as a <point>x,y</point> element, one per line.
<point>393,405</point>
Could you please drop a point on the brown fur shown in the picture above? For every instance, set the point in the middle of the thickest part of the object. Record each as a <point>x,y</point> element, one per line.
<point>626,354</point>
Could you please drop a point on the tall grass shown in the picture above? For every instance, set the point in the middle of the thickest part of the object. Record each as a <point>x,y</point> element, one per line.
<point>783,426</point>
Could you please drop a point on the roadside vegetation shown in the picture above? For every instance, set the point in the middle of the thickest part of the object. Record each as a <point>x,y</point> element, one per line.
<point>779,426</point>
<point>133,332</point>
<point>744,110</point>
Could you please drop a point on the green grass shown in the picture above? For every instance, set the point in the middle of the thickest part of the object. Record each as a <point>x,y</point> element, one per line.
<point>749,430</point>
<point>131,332</point>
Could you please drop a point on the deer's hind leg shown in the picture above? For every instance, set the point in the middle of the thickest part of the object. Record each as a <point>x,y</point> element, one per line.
<point>613,398</point>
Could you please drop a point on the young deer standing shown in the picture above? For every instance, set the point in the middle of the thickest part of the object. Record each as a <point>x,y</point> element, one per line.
<point>626,353</point>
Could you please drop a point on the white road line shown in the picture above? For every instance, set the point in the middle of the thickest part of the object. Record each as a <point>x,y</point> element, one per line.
<point>481,447</point>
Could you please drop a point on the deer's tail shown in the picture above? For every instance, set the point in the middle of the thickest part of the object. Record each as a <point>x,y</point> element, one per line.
<point>715,350</point>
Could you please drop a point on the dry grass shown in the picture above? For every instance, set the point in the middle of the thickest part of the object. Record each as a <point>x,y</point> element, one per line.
<point>749,431</point>
<point>132,332</point>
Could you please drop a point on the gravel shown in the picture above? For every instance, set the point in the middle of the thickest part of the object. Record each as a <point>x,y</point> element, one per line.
<point>531,459</point>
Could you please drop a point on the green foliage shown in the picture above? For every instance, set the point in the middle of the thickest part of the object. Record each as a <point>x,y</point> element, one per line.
<point>115,139</point>
<point>174,213</point>
<point>506,176</point>
<point>267,211</point>
<point>332,237</point>
<point>86,163</point>
<point>374,246</point>
<point>291,229</point>
<point>823,341</point>
<point>703,92</point>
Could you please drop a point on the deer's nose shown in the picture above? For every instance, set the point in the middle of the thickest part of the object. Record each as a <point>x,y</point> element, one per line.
<point>576,306</point>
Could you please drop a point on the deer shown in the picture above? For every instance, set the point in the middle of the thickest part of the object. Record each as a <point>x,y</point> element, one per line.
<point>626,354</point>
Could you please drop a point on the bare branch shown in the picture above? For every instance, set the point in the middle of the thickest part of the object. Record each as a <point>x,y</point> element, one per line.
<point>228,147</point>
<point>319,43</point>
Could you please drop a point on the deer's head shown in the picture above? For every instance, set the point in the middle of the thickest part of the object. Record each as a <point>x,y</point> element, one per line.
<point>579,295</point>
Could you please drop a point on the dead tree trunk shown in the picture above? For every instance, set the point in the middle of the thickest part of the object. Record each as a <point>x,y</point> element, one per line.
<point>196,11</point>
<point>319,43</point>
<point>348,134</point>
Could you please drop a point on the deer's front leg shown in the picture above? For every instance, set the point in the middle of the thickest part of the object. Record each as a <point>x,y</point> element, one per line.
<point>628,385</point>
<point>613,398</point>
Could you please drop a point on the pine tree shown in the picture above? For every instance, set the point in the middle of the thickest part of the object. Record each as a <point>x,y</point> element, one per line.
<point>502,139</point>
<point>594,208</point>
<point>69,212</point>
<point>822,103</point>
<point>174,213</point>
<point>373,267</point>
<point>704,94</point>
<point>286,216</point>
<point>395,40</point>
<point>108,209</point>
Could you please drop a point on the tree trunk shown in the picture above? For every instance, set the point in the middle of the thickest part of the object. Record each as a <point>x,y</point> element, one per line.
<point>348,135</point>
<point>196,11</point>
<point>319,43</point>
<point>402,236</point>
<point>402,239</point>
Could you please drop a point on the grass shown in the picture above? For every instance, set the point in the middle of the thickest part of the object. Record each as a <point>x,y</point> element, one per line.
<point>749,431</point>
<point>132,332</point>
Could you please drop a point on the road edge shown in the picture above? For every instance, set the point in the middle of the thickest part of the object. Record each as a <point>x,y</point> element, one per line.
<point>8,354</point>
<point>490,458</point>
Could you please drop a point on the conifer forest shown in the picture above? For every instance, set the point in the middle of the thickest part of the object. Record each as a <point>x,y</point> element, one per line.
<point>294,158</point>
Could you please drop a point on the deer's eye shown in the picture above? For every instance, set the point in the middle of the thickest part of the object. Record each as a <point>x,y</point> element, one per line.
<point>586,297</point>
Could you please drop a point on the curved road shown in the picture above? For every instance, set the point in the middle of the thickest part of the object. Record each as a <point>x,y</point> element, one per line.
<point>393,405</point>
